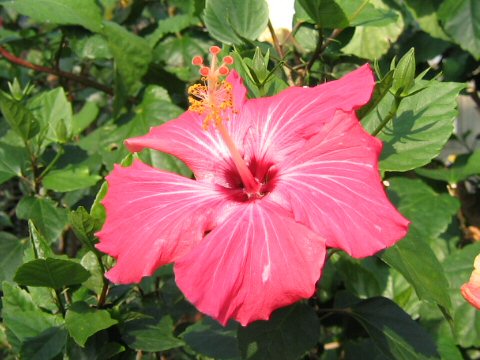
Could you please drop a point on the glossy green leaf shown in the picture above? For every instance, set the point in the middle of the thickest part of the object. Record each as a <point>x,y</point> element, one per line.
<point>41,247</point>
<point>85,117</point>
<point>12,161</point>
<point>464,166</point>
<point>211,339</point>
<point>19,117</point>
<point>393,331</point>
<point>11,254</point>
<point>82,321</point>
<point>131,53</point>
<point>429,213</point>
<point>372,42</point>
<point>171,25</point>
<point>70,178</point>
<point>458,267</point>
<point>54,114</point>
<point>151,335</point>
<point>426,14</point>
<point>423,124</point>
<point>231,21</point>
<point>289,333</point>
<point>365,13</point>
<point>22,318</point>
<point>325,13</point>
<point>84,226</point>
<point>461,20</point>
<point>45,214</point>
<point>49,272</point>
<point>85,13</point>
<point>46,345</point>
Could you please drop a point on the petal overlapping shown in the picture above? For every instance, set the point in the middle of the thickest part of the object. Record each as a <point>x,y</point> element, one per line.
<point>153,218</point>
<point>256,261</point>
<point>282,123</point>
<point>333,186</point>
<point>203,151</point>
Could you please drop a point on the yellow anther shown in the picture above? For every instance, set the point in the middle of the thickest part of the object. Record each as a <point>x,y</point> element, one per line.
<point>214,97</point>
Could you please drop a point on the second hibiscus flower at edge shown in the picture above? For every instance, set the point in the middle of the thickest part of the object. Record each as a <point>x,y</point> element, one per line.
<point>249,234</point>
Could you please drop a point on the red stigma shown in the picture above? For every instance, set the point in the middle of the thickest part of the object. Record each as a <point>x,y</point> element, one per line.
<point>223,70</point>
<point>228,60</point>
<point>197,60</point>
<point>204,71</point>
<point>215,50</point>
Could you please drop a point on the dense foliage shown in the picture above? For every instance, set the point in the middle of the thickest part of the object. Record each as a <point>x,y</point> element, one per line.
<point>81,76</point>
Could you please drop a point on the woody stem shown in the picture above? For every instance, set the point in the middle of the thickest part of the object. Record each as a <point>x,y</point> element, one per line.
<point>252,186</point>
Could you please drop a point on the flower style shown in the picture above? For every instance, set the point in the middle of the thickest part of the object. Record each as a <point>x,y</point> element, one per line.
<point>471,290</point>
<point>277,181</point>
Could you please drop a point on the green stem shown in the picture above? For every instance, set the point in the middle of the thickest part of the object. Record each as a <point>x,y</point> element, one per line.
<point>59,302</point>
<point>103,294</point>
<point>390,116</point>
<point>49,166</point>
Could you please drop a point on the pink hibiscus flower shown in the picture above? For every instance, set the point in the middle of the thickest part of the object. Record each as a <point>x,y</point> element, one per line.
<point>277,181</point>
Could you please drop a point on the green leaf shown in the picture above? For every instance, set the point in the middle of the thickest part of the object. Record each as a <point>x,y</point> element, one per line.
<point>364,13</point>
<point>461,20</point>
<point>84,227</point>
<point>231,21</point>
<point>49,272</point>
<point>210,339</point>
<point>422,126</point>
<point>82,321</point>
<point>46,345</point>
<point>65,12</point>
<point>289,333</point>
<point>171,25</point>
<point>70,178</point>
<point>364,278</point>
<point>54,114</point>
<point>85,117</point>
<point>372,42</point>
<point>464,166</point>
<point>466,319</point>
<point>131,53</point>
<point>11,254</point>
<point>41,248</point>
<point>150,335</point>
<point>325,13</point>
<point>22,318</point>
<point>45,214</point>
<point>177,53</point>
<point>20,119</point>
<point>425,12</point>
<point>12,161</point>
<point>393,331</point>
<point>96,281</point>
<point>430,214</point>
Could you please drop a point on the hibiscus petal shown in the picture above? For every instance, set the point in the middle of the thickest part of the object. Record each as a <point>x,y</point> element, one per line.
<point>153,218</point>
<point>333,186</point>
<point>257,260</point>
<point>471,290</point>
<point>203,151</point>
<point>283,122</point>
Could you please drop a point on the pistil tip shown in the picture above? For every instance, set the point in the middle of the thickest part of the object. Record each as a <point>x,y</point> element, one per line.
<point>214,50</point>
<point>197,60</point>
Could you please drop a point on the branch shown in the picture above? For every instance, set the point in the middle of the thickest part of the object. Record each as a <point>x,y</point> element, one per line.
<point>321,48</point>
<point>64,74</point>
<point>280,52</point>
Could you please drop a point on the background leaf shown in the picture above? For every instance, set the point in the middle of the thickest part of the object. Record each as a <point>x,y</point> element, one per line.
<point>231,21</point>
<point>49,272</point>
<point>289,333</point>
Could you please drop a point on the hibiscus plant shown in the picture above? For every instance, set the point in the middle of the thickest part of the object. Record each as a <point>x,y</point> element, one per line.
<point>192,179</point>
